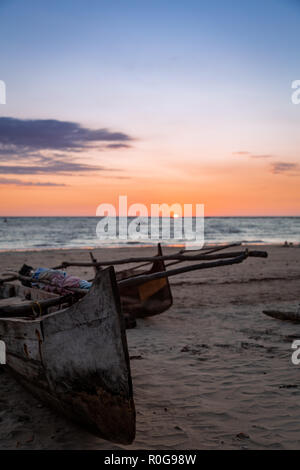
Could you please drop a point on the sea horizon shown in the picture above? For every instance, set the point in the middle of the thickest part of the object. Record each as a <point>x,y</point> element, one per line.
<point>69,232</point>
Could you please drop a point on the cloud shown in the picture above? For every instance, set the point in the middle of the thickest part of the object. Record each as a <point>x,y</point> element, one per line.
<point>118,146</point>
<point>251,155</point>
<point>16,182</point>
<point>50,146</point>
<point>119,177</point>
<point>54,166</point>
<point>284,167</point>
<point>277,168</point>
<point>50,134</point>
<point>261,156</point>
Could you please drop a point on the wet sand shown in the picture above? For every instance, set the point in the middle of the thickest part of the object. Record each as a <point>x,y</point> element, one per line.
<point>211,373</point>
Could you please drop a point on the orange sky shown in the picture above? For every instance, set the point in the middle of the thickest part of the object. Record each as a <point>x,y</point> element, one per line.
<point>158,101</point>
<point>242,188</point>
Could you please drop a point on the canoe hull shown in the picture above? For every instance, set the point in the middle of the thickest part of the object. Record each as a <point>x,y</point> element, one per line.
<point>285,316</point>
<point>149,298</point>
<point>77,361</point>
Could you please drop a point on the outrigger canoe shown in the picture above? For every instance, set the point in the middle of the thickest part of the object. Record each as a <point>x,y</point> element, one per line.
<point>71,350</point>
<point>73,356</point>
<point>148,298</point>
<point>145,293</point>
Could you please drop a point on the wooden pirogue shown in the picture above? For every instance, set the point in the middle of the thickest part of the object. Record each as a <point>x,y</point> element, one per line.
<point>148,298</point>
<point>71,350</point>
<point>73,356</point>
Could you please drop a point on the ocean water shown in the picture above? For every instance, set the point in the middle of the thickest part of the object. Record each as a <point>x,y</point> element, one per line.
<point>27,233</point>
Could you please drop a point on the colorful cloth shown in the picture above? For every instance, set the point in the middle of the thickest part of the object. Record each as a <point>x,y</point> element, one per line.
<point>60,281</point>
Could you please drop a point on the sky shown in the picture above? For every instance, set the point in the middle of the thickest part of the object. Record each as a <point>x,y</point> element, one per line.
<point>165,102</point>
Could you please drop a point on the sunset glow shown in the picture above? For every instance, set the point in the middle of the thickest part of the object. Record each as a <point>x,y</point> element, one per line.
<point>182,106</point>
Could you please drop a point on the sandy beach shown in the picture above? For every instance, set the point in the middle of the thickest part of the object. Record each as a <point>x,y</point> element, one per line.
<point>213,372</point>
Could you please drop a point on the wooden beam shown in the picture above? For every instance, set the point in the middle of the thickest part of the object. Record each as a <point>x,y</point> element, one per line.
<point>173,272</point>
<point>178,257</point>
<point>35,308</point>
